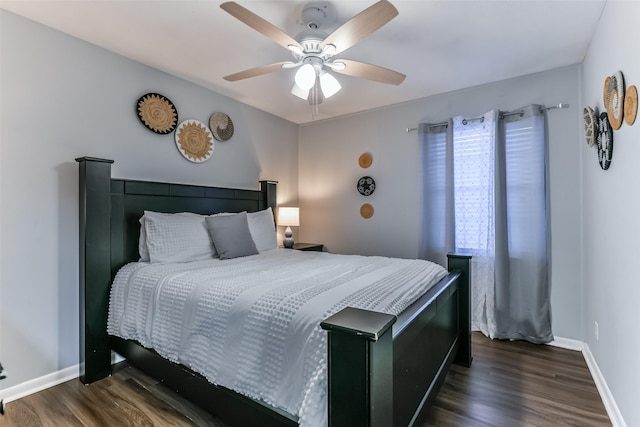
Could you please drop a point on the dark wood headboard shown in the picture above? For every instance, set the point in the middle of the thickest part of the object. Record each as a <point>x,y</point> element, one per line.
<point>110,210</point>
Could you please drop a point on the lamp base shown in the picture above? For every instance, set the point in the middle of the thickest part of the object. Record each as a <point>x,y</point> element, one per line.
<point>288,240</point>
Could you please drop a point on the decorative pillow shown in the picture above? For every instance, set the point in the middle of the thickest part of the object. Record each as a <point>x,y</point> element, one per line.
<point>263,229</point>
<point>180,237</point>
<point>231,235</point>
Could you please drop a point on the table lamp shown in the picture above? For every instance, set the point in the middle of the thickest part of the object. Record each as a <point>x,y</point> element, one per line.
<point>289,217</point>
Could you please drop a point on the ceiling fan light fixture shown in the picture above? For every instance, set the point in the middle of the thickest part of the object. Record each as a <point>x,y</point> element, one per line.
<point>306,76</point>
<point>329,85</point>
<point>300,92</point>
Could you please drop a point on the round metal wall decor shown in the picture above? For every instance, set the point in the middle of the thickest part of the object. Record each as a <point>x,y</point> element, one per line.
<point>366,211</point>
<point>221,126</point>
<point>366,186</point>
<point>365,160</point>
<point>604,142</point>
<point>631,105</point>
<point>157,113</point>
<point>194,141</point>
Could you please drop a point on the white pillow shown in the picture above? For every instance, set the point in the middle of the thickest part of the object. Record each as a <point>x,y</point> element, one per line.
<point>263,229</point>
<point>142,242</point>
<point>180,237</point>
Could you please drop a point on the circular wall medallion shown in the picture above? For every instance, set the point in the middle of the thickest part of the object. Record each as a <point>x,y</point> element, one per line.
<point>365,160</point>
<point>366,210</point>
<point>590,125</point>
<point>194,141</point>
<point>604,142</point>
<point>606,90</point>
<point>366,186</point>
<point>631,105</point>
<point>157,113</point>
<point>615,110</point>
<point>221,126</point>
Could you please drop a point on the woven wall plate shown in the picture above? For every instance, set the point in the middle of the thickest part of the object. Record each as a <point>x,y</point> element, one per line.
<point>631,105</point>
<point>615,110</point>
<point>194,141</point>
<point>606,91</point>
<point>590,125</point>
<point>365,160</point>
<point>157,113</point>
<point>221,126</point>
<point>366,211</point>
<point>604,141</point>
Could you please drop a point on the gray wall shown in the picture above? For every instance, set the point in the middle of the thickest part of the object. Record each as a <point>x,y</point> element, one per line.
<point>63,98</point>
<point>329,169</point>
<point>611,216</point>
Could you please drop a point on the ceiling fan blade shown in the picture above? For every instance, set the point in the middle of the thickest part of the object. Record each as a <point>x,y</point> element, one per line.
<point>259,24</point>
<point>258,71</point>
<point>369,72</point>
<point>361,25</point>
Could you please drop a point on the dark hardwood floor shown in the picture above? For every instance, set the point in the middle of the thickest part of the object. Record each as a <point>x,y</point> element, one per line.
<point>515,383</point>
<point>509,384</point>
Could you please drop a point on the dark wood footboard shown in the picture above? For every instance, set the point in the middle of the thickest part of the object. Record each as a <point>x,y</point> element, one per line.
<point>383,376</point>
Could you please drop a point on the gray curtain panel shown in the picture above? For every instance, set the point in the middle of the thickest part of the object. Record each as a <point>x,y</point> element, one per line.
<point>510,277</point>
<point>437,199</point>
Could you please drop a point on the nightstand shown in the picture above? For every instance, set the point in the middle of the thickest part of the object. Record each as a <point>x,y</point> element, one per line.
<point>314,247</point>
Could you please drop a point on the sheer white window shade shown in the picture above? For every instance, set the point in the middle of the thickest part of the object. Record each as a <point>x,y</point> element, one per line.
<point>473,167</point>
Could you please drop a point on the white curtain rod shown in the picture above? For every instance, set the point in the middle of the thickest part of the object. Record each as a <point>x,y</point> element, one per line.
<point>552,107</point>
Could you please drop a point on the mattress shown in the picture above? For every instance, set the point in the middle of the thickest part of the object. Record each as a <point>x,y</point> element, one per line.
<point>251,324</point>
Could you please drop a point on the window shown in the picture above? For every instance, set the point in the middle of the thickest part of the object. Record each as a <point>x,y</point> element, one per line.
<point>473,169</point>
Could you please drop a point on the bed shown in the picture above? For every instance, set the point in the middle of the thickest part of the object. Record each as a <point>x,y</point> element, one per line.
<point>376,375</point>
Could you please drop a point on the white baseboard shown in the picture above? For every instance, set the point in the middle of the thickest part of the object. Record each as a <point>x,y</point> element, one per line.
<point>607,398</point>
<point>567,343</point>
<point>38,384</point>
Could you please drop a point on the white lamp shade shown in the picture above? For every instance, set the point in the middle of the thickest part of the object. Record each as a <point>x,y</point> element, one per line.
<point>329,85</point>
<point>299,92</point>
<point>306,76</point>
<point>289,216</point>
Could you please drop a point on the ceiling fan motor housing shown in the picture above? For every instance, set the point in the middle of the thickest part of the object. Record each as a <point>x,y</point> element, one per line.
<point>318,14</point>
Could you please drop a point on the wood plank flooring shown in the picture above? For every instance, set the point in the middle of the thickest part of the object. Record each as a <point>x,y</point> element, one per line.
<point>509,384</point>
<point>515,383</point>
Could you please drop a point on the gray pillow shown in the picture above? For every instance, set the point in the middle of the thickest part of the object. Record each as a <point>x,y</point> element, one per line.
<point>231,235</point>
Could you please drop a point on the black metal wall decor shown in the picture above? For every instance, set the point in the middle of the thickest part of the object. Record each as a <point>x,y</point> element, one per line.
<point>157,113</point>
<point>604,141</point>
<point>366,186</point>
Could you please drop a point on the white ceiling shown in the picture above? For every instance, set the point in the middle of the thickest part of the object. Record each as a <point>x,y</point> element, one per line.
<point>441,45</point>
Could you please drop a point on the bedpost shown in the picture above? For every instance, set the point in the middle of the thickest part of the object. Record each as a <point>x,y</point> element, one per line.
<point>462,263</point>
<point>268,189</point>
<point>95,267</point>
<point>360,361</point>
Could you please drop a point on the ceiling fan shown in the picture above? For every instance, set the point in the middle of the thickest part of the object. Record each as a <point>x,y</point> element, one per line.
<point>313,49</point>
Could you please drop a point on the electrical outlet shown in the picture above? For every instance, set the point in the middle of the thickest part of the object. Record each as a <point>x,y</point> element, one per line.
<point>595,331</point>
